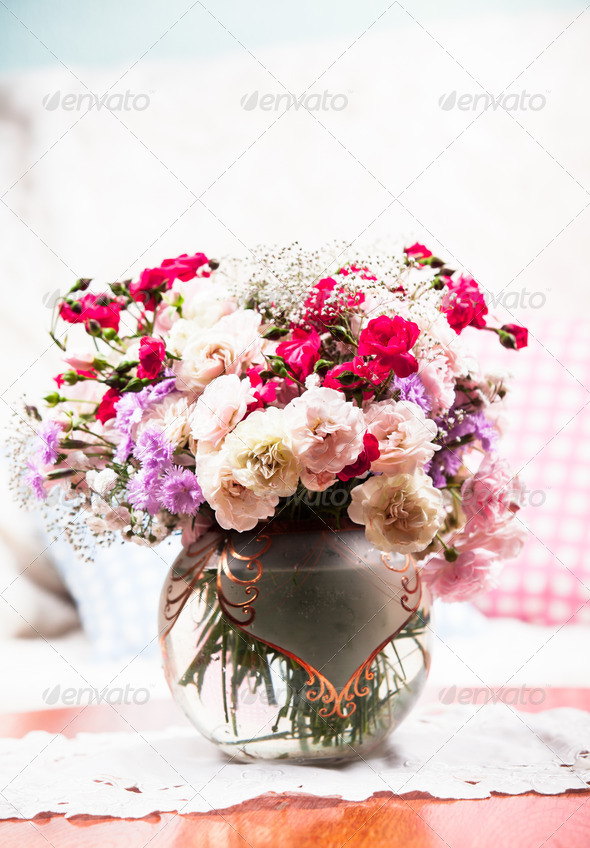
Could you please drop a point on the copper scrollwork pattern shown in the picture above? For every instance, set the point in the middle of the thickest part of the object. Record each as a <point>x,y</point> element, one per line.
<point>250,589</point>
<point>183,580</point>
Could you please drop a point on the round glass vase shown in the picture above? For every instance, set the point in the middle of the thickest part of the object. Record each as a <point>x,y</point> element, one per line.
<point>301,644</point>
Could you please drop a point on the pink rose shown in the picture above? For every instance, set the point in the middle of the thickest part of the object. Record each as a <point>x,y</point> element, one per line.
<point>326,430</point>
<point>491,497</point>
<point>263,393</point>
<point>343,376</point>
<point>185,267</point>
<point>516,336</point>
<point>194,527</point>
<point>152,281</point>
<point>152,354</point>
<point>362,464</point>
<point>463,303</point>
<point>101,308</point>
<point>301,352</point>
<point>404,436</point>
<point>471,574</point>
<point>417,251</point>
<point>390,340</point>
<point>327,301</point>
<point>223,404</point>
<point>107,408</point>
<point>439,381</point>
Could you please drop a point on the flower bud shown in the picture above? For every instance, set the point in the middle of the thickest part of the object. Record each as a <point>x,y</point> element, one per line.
<point>80,285</point>
<point>118,289</point>
<point>70,378</point>
<point>109,334</point>
<point>93,328</point>
<point>75,306</point>
<point>53,398</point>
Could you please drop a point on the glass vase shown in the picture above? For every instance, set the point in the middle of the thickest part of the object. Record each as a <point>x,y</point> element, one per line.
<point>301,644</point>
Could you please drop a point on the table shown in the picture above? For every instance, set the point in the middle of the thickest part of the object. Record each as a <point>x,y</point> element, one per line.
<point>414,821</point>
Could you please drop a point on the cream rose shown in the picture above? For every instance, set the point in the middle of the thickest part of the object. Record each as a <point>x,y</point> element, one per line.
<point>236,507</point>
<point>401,513</point>
<point>260,455</point>
<point>326,430</point>
<point>226,348</point>
<point>181,334</point>
<point>404,435</point>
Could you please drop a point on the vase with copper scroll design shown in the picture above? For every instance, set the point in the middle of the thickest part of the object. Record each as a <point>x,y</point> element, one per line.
<point>301,644</point>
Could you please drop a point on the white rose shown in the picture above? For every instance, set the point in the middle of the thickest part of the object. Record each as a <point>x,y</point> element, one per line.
<point>117,517</point>
<point>207,305</point>
<point>259,453</point>
<point>104,481</point>
<point>96,525</point>
<point>181,333</point>
<point>401,513</point>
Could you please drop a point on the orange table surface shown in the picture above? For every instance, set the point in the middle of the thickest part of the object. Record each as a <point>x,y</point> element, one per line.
<point>412,821</point>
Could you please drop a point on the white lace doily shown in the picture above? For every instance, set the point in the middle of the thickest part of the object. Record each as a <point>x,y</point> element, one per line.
<point>448,752</point>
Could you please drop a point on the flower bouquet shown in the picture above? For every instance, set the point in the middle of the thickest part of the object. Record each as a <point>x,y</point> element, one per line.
<point>324,441</point>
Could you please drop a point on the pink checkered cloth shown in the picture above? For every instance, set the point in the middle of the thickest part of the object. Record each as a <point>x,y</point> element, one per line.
<point>547,440</point>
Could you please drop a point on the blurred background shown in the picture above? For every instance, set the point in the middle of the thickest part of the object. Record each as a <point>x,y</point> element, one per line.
<point>133,131</point>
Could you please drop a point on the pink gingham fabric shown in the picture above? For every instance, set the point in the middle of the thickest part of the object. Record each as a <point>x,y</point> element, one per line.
<point>547,439</point>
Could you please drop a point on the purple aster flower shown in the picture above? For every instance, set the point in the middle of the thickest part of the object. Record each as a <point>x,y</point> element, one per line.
<point>476,425</point>
<point>180,492</point>
<point>153,450</point>
<point>124,448</point>
<point>34,479</point>
<point>412,388</point>
<point>447,461</point>
<point>49,433</point>
<point>143,491</point>
<point>443,465</point>
<point>130,410</point>
<point>161,390</point>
